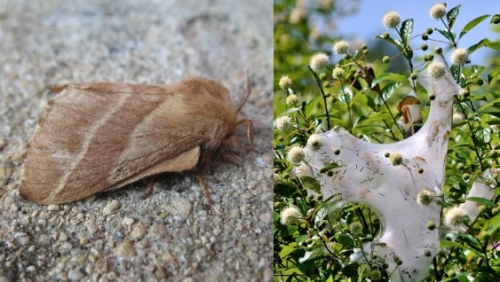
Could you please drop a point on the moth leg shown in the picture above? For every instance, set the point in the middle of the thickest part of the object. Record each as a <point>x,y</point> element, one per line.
<point>203,184</point>
<point>229,144</point>
<point>230,159</point>
<point>148,190</point>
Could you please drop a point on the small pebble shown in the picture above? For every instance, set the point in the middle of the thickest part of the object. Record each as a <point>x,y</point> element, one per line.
<point>111,207</point>
<point>167,257</point>
<point>84,241</point>
<point>18,156</point>
<point>158,230</point>
<point>125,249</point>
<point>53,207</point>
<point>180,207</point>
<point>75,275</point>
<point>139,231</point>
<point>91,227</point>
<point>44,239</point>
<point>14,208</point>
<point>22,238</point>
<point>127,221</point>
<point>63,237</point>
<point>66,246</point>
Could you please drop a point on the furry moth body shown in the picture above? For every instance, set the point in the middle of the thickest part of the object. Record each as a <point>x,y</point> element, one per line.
<point>102,136</point>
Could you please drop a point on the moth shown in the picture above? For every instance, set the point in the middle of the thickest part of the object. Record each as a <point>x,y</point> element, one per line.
<point>95,137</point>
<point>410,108</point>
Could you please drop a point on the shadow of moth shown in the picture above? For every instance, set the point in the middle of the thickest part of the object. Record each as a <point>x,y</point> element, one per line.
<point>95,137</point>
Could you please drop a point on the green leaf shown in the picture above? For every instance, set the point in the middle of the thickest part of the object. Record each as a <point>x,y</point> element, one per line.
<point>291,110</point>
<point>345,240</point>
<point>495,104</point>
<point>387,91</point>
<point>372,118</point>
<point>394,77</point>
<point>493,74</point>
<point>473,71</point>
<point>320,215</point>
<point>455,71</point>
<point>286,250</point>
<point>315,253</point>
<point>493,224</point>
<point>484,134</point>
<point>470,25</point>
<point>451,16</point>
<point>302,238</point>
<point>491,111</point>
<point>448,35</point>
<point>493,121</point>
<point>476,46</point>
<point>493,45</point>
<point>398,44</point>
<point>482,201</point>
<point>484,43</point>
<point>449,244</point>
<point>406,31</point>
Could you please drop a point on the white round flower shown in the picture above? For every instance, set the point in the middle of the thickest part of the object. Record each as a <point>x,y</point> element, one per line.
<point>396,159</point>
<point>425,197</point>
<point>454,217</point>
<point>438,11</point>
<point>315,142</point>
<point>459,56</point>
<point>289,215</point>
<point>319,61</point>
<point>338,72</point>
<point>283,123</point>
<point>391,19</point>
<point>291,99</point>
<point>437,70</point>
<point>341,47</point>
<point>285,82</point>
<point>296,155</point>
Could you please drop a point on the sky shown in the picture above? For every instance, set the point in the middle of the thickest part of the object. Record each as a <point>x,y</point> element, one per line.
<point>366,23</point>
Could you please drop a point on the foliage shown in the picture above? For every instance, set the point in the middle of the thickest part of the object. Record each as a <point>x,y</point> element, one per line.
<point>320,244</point>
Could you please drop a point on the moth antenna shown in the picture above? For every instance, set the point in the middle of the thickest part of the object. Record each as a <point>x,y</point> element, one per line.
<point>249,125</point>
<point>249,90</point>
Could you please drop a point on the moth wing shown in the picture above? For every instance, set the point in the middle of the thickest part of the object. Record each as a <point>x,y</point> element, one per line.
<point>100,136</point>
<point>184,161</point>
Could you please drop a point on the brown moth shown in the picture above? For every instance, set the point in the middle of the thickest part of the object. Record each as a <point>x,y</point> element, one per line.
<point>95,137</point>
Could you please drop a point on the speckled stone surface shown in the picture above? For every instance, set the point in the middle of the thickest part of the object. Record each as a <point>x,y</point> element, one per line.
<point>172,235</point>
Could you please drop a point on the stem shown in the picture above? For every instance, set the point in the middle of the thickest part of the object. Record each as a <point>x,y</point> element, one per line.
<point>405,53</point>
<point>324,97</point>
<point>471,105</point>
<point>393,119</point>
<point>474,137</point>
<point>436,273</point>
<point>348,106</point>
<point>452,37</point>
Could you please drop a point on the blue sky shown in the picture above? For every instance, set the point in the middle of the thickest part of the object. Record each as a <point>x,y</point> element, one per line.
<point>366,23</point>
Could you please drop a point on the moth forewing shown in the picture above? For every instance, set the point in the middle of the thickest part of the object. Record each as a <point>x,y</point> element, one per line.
<point>95,137</point>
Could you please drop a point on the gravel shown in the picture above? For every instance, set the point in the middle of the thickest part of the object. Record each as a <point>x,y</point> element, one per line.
<point>173,234</point>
